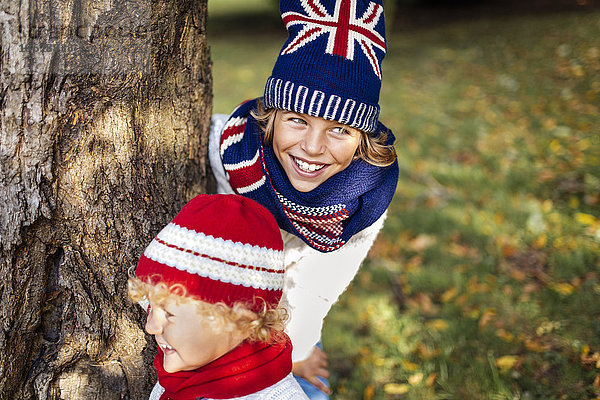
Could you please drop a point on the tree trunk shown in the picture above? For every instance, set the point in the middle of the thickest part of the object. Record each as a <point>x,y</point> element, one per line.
<point>104,116</point>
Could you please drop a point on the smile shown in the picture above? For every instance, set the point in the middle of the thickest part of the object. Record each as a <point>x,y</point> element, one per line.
<point>307,167</point>
<point>165,346</point>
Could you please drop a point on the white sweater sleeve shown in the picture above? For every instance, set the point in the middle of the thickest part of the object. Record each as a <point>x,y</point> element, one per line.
<point>214,153</point>
<point>157,391</point>
<point>314,281</point>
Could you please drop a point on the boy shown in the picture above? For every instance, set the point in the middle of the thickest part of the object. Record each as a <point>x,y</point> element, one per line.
<point>212,280</point>
<point>313,152</point>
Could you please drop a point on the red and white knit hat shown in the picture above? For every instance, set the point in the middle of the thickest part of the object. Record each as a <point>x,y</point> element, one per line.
<point>221,248</point>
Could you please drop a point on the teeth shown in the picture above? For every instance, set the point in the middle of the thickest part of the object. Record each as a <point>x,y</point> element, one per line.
<point>306,167</point>
<point>165,346</point>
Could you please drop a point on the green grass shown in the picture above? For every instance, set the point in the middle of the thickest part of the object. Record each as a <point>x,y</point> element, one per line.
<point>485,281</point>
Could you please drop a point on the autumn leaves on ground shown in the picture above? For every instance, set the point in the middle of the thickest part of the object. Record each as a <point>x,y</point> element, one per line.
<point>485,283</point>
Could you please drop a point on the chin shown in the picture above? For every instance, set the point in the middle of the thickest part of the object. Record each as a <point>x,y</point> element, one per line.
<point>304,189</point>
<point>170,368</point>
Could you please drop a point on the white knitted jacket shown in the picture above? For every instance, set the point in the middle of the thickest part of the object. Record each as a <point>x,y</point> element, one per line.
<point>285,389</point>
<point>313,280</point>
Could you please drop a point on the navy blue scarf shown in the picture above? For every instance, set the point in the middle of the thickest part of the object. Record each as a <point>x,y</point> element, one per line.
<point>324,218</point>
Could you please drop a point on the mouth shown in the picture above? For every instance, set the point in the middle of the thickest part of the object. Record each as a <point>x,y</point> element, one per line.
<point>307,167</point>
<point>165,347</point>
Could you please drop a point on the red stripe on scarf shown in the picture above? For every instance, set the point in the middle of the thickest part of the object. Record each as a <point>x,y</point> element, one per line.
<point>243,177</point>
<point>232,130</point>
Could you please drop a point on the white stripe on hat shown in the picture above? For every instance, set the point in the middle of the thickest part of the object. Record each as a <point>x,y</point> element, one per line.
<point>360,113</point>
<point>331,108</point>
<point>347,113</point>
<point>372,117</point>
<point>316,101</point>
<point>301,95</point>
<point>277,90</point>
<point>213,269</point>
<point>288,91</point>
<point>197,253</point>
<point>269,100</point>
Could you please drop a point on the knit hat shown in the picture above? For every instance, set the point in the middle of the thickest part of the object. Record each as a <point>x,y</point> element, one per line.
<point>330,65</point>
<point>221,248</point>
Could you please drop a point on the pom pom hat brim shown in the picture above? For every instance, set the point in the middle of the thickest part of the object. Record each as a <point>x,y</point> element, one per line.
<point>221,248</point>
<point>330,65</point>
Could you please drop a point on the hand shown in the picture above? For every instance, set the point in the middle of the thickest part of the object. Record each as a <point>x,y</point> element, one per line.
<point>313,367</point>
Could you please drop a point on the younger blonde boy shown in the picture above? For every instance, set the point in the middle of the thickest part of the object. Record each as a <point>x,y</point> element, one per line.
<point>211,282</point>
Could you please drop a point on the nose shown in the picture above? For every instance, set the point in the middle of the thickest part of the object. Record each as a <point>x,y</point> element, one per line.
<point>153,325</point>
<point>313,141</point>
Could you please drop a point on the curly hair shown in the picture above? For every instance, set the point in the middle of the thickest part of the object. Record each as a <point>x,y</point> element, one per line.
<point>371,149</point>
<point>265,326</point>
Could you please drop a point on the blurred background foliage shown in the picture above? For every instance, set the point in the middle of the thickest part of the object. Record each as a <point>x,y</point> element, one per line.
<point>485,281</point>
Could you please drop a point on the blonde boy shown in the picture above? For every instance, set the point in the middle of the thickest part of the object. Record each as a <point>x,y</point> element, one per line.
<point>211,282</point>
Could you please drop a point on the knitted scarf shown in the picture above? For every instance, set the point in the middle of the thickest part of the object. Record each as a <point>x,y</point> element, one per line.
<point>247,369</point>
<point>324,218</point>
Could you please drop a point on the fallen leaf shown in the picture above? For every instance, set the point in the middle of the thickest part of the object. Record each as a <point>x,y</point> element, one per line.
<point>585,349</point>
<point>449,294</point>
<point>563,288</point>
<point>505,363</point>
<point>517,274</point>
<point>438,324</point>
<point>509,250</point>
<point>486,317</point>
<point>409,366</point>
<point>415,379</point>
<point>505,335</point>
<point>540,242</point>
<point>532,345</point>
<point>422,242</point>
<point>396,388</point>
<point>585,219</point>
<point>430,381</point>
<point>369,392</point>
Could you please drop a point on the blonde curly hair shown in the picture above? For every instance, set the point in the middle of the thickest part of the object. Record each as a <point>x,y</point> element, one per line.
<point>265,326</point>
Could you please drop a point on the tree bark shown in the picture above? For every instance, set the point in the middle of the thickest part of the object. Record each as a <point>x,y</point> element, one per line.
<point>104,116</point>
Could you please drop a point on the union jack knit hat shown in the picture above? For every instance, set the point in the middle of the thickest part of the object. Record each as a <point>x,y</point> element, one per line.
<point>330,65</point>
<point>221,248</point>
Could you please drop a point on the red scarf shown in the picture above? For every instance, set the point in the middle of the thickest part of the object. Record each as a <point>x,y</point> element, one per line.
<point>247,369</point>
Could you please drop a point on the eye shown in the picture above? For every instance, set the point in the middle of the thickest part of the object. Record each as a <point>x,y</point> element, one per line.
<point>297,120</point>
<point>340,130</point>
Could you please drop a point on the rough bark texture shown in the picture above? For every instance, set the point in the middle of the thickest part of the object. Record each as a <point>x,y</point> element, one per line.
<point>104,116</point>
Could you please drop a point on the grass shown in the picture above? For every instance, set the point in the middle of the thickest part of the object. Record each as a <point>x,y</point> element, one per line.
<point>485,281</point>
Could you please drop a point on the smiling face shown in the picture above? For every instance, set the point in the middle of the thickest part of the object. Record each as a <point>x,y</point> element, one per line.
<point>312,149</point>
<point>185,336</point>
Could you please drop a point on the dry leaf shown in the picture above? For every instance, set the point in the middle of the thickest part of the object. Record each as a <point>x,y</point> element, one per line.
<point>396,388</point>
<point>505,363</point>
<point>409,366</point>
<point>438,324</point>
<point>430,381</point>
<point>416,378</point>
<point>369,392</point>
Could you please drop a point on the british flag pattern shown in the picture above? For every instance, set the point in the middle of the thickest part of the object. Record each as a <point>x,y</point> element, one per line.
<point>343,26</point>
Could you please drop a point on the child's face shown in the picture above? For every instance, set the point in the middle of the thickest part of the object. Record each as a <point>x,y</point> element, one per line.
<point>185,337</point>
<point>312,149</point>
